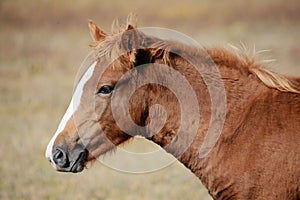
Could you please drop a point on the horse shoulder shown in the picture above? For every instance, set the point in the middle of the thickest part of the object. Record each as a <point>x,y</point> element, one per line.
<point>261,155</point>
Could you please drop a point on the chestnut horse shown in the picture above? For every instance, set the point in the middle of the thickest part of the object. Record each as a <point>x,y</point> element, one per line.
<point>256,155</point>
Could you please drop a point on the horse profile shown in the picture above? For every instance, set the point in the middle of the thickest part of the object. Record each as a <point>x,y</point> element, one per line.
<point>256,155</point>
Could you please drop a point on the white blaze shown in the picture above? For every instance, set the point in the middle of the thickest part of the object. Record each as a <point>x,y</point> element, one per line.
<point>74,104</point>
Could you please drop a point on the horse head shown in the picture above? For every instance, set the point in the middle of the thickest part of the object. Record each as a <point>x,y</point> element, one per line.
<point>94,124</point>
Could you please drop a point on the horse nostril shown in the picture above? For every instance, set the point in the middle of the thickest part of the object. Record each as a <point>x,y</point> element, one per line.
<point>60,158</point>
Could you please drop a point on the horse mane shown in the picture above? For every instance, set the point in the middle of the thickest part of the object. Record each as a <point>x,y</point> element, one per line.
<point>254,66</point>
<point>236,57</point>
<point>229,57</point>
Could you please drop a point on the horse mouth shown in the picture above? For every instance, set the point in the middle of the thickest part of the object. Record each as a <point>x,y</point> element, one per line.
<point>80,162</point>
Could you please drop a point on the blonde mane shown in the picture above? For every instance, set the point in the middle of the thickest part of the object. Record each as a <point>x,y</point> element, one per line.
<point>274,80</point>
<point>258,68</point>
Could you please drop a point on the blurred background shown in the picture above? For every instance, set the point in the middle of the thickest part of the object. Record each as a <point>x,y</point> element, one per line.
<point>42,44</point>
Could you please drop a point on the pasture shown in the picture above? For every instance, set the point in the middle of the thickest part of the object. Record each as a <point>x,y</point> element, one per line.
<point>42,46</point>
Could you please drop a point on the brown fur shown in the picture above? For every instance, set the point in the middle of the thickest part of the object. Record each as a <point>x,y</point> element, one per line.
<point>257,155</point>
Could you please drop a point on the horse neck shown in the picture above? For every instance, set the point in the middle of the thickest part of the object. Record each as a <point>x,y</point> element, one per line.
<point>241,89</point>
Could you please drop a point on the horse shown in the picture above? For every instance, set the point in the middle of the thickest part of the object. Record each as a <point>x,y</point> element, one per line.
<point>255,156</point>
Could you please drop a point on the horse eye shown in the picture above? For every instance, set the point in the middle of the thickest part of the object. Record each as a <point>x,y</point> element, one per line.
<point>106,89</point>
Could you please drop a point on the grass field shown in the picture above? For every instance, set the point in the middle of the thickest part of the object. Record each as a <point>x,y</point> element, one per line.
<point>42,44</point>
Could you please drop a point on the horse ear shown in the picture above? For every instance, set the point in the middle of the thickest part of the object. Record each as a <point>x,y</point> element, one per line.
<point>132,41</point>
<point>97,34</point>
<point>129,27</point>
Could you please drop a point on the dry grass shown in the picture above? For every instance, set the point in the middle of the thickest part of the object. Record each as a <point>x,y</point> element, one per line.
<point>43,44</point>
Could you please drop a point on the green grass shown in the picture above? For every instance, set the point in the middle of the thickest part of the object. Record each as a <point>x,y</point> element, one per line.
<point>43,44</point>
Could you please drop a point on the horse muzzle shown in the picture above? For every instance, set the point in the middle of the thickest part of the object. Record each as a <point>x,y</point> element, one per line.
<point>72,161</point>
